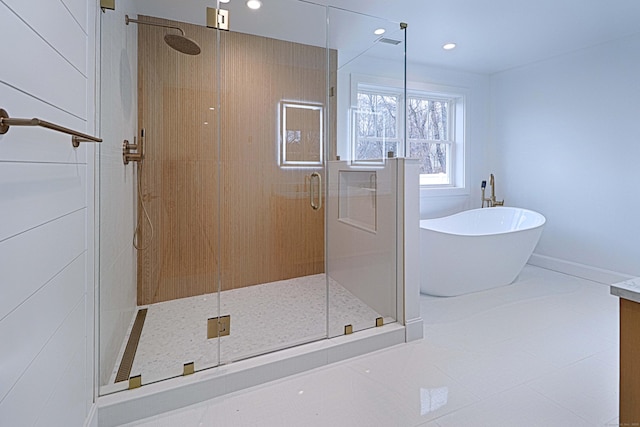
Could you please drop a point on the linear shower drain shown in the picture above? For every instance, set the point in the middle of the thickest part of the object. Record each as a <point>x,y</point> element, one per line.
<point>124,371</point>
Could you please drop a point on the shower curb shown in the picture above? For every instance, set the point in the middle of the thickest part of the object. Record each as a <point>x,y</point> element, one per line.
<point>153,399</point>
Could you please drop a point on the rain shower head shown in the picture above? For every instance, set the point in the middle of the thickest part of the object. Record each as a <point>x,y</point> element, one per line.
<point>179,42</point>
<point>182,44</point>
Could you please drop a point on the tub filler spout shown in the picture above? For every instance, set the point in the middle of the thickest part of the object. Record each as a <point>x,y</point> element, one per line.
<point>491,201</point>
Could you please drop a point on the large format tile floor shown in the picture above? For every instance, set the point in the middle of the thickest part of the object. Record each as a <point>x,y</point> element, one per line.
<point>540,352</point>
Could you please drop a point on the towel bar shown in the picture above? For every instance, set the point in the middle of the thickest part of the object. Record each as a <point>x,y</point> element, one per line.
<point>76,137</point>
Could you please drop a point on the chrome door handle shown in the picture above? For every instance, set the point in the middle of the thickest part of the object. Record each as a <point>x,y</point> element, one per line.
<point>315,206</point>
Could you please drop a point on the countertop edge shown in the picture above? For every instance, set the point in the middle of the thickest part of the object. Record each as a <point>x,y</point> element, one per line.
<point>629,289</point>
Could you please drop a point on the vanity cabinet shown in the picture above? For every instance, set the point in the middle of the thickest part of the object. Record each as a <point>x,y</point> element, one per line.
<point>629,293</point>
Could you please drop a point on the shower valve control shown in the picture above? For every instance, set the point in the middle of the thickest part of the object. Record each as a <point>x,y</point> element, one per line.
<point>133,152</point>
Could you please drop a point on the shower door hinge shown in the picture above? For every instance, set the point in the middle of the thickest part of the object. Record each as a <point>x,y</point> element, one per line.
<point>218,18</point>
<point>107,4</point>
<point>218,326</point>
<point>135,382</point>
<point>188,368</point>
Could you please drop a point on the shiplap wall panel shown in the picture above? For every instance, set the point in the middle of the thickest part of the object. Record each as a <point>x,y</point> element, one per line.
<point>46,68</point>
<point>24,334</point>
<point>79,10</point>
<point>47,332</point>
<point>59,409</point>
<point>36,257</point>
<point>35,193</point>
<point>35,144</point>
<point>51,21</point>
<point>25,403</point>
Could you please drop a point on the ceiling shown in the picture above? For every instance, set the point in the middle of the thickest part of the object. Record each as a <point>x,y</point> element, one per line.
<point>491,35</point>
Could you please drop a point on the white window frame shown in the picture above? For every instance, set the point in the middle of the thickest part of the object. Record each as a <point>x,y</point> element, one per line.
<point>457,127</point>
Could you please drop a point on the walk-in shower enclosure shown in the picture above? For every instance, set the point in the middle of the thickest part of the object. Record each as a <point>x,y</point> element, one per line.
<point>246,220</point>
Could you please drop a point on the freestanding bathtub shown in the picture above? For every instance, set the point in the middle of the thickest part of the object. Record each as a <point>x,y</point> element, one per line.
<point>477,249</point>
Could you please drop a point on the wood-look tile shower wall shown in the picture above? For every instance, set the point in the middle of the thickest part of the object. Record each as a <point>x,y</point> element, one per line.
<point>252,217</point>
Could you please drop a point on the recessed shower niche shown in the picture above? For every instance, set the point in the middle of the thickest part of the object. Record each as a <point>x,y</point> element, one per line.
<point>357,198</point>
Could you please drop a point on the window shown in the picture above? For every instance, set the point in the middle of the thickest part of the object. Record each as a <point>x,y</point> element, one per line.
<point>434,132</point>
<point>429,137</point>
<point>375,126</point>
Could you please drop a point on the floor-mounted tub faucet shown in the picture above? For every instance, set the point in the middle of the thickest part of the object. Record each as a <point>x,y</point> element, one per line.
<point>491,201</point>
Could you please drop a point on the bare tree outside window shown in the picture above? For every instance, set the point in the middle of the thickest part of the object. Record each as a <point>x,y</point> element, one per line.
<point>428,134</point>
<point>429,137</point>
<point>376,121</point>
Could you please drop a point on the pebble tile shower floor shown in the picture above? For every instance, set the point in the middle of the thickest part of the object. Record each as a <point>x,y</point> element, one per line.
<point>264,318</point>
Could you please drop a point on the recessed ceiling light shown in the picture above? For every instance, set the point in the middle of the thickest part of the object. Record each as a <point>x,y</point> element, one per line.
<point>254,4</point>
<point>449,46</point>
<point>223,1</point>
<point>379,31</point>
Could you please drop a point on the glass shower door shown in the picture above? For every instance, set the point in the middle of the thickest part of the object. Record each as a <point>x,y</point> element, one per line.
<point>272,118</point>
<point>179,270</point>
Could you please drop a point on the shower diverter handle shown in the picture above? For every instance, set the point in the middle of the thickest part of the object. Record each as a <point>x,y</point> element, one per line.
<point>312,194</point>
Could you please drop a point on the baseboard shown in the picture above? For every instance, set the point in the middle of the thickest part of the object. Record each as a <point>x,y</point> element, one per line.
<point>414,329</point>
<point>92,417</point>
<point>583,271</point>
<point>152,399</point>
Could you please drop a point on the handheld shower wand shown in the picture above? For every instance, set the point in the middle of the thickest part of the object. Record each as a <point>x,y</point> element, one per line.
<point>145,213</point>
<point>482,187</point>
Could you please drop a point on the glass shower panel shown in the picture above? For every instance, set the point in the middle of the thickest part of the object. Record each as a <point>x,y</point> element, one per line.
<point>362,176</point>
<point>159,213</point>
<point>117,257</point>
<point>274,111</point>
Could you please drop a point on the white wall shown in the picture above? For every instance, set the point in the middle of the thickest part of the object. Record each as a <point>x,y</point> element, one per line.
<point>435,203</point>
<point>566,143</point>
<point>47,210</point>
<point>118,112</point>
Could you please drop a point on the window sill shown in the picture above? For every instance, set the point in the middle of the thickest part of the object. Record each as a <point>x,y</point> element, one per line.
<point>443,191</point>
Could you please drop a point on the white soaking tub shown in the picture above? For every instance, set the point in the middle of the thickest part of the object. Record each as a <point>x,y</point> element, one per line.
<point>477,249</point>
